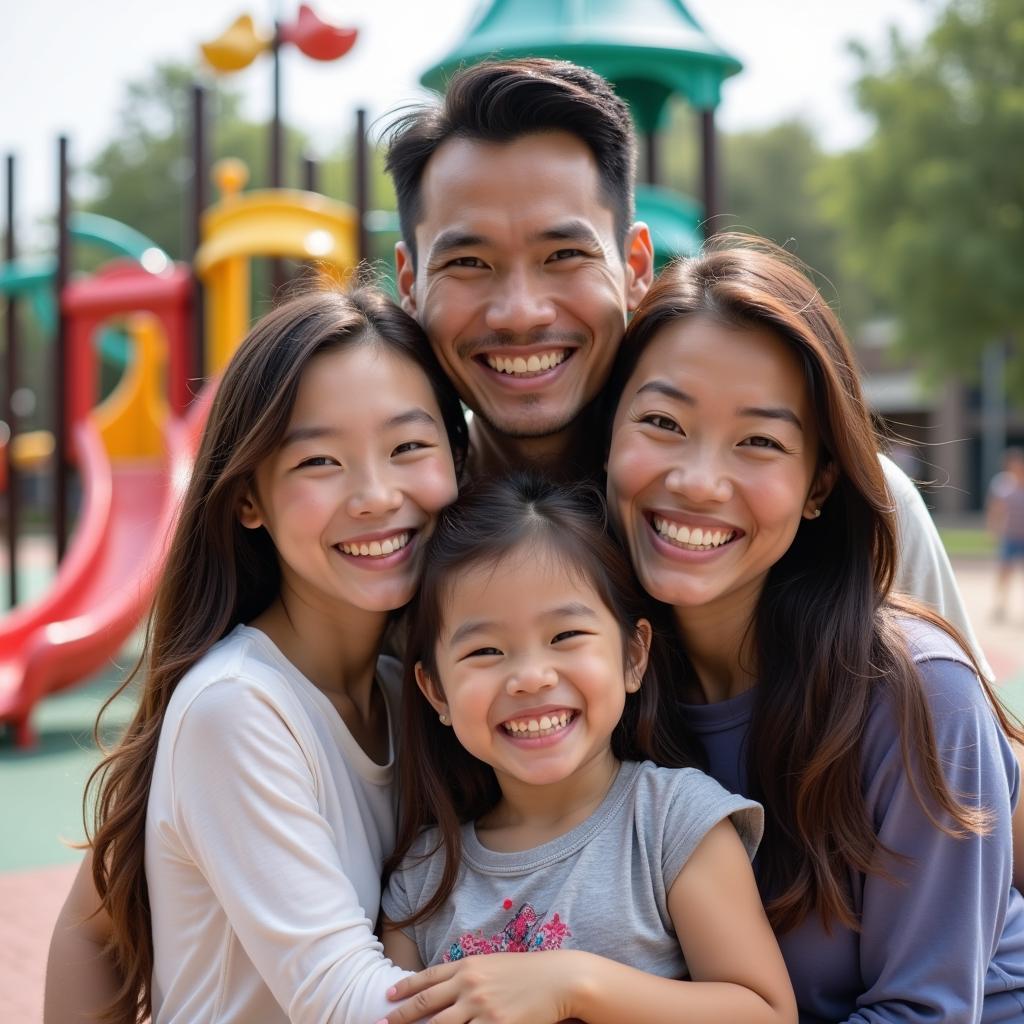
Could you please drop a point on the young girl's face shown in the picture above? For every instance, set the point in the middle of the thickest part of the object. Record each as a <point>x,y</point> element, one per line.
<point>353,490</point>
<point>712,463</point>
<point>531,670</point>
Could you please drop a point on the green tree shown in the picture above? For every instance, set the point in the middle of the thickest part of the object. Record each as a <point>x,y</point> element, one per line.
<point>772,184</point>
<point>931,208</point>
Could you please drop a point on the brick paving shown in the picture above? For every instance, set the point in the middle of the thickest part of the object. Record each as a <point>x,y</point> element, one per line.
<point>31,899</point>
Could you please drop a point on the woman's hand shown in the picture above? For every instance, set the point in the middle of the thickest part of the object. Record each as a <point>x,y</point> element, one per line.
<point>498,988</point>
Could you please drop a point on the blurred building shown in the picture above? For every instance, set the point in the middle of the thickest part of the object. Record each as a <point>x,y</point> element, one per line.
<point>947,434</point>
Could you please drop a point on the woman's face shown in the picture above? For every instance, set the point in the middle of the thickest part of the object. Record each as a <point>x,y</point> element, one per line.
<point>712,463</point>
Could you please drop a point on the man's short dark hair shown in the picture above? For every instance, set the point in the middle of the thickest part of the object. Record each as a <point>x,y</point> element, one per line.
<point>501,101</point>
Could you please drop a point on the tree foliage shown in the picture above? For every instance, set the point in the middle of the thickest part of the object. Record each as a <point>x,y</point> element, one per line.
<point>931,208</point>
<point>772,184</point>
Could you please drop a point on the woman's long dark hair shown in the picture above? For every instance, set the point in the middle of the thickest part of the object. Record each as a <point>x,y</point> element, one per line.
<point>219,574</point>
<point>442,784</point>
<point>826,638</point>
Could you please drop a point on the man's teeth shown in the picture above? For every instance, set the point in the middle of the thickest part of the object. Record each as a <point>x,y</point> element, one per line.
<point>534,364</point>
<point>543,726</point>
<point>377,548</point>
<point>695,539</point>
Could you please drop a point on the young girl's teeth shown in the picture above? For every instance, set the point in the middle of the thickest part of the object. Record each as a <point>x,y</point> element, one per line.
<point>377,548</point>
<point>534,364</point>
<point>697,539</point>
<point>543,726</point>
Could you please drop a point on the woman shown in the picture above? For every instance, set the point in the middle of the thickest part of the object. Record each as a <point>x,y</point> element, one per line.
<point>743,477</point>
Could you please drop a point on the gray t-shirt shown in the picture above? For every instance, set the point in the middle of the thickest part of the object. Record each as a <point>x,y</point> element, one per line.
<point>602,887</point>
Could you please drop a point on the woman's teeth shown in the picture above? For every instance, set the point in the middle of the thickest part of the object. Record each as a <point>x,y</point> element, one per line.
<point>695,539</point>
<point>520,367</point>
<point>537,727</point>
<point>377,548</point>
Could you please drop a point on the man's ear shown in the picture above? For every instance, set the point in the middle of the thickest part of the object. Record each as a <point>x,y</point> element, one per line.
<point>430,689</point>
<point>639,652</point>
<point>824,481</point>
<point>639,255</point>
<point>405,278</point>
<point>249,514</point>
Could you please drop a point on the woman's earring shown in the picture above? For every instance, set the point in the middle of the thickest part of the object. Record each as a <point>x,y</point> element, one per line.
<point>444,719</point>
<point>817,513</point>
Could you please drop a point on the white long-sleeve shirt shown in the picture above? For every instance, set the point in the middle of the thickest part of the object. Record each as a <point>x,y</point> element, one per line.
<point>266,829</point>
<point>924,571</point>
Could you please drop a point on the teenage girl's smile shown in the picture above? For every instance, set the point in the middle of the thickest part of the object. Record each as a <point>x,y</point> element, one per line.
<point>381,549</point>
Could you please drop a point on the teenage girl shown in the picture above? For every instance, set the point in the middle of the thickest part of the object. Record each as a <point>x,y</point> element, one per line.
<point>242,822</point>
<point>531,818</point>
<point>743,477</point>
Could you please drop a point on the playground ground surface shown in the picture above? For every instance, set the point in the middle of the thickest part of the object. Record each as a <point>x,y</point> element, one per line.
<point>40,795</point>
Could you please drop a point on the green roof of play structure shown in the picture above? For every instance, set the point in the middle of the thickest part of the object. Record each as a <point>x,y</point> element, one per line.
<point>648,48</point>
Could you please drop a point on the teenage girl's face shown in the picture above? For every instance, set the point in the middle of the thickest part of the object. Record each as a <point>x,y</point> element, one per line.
<point>353,491</point>
<point>531,669</point>
<point>712,463</point>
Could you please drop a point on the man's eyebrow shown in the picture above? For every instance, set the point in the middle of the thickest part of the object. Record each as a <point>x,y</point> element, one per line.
<point>315,432</point>
<point>569,231</point>
<point>453,238</point>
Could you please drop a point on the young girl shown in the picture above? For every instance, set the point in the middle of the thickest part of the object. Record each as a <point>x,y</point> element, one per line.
<point>530,819</point>
<point>743,477</point>
<point>243,820</point>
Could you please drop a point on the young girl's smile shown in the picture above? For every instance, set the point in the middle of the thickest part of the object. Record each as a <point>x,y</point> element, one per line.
<point>712,462</point>
<point>532,670</point>
<point>352,492</point>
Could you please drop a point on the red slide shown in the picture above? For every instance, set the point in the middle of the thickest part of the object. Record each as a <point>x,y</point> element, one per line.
<point>105,583</point>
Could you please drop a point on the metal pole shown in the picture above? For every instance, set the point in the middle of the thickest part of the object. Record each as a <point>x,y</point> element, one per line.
<point>310,174</point>
<point>13,488</point>
<point>651,150</point>
<point>60,453</point>
<point>361,170</point>
<point>276,132</point>
<point>277,274</point>
<point>709,170</point>
<point>200,200</point>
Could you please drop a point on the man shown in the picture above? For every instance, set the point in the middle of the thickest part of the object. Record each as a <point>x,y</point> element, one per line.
<point>521,259</point>
<point>1005,517</point>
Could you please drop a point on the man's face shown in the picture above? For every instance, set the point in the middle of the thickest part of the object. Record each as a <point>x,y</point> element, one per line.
<point>520,283</point>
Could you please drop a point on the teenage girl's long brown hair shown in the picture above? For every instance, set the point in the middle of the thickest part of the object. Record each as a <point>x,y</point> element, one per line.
<point>219,574</point>
<point>441,783</point>
<point>826,638</point>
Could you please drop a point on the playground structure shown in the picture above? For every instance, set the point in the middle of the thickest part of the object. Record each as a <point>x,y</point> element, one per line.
<point>170,325</point>
<point>133,450</point>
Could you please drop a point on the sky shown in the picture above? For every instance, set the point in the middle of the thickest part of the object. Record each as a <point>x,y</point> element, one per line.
<point>64,65</point>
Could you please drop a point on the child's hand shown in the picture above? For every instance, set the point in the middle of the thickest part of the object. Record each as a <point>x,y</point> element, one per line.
<point>499,988</point>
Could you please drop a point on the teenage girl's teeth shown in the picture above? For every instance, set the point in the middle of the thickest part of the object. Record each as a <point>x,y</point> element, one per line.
<point>696,539</point>
<point>377,548</point>
<point>519,366</point>
<point>537,727</point>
